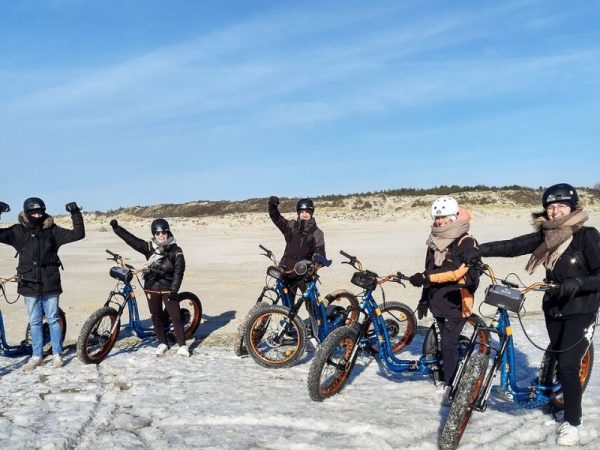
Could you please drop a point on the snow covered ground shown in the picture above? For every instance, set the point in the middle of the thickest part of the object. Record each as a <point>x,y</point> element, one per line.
<point>217,400</point>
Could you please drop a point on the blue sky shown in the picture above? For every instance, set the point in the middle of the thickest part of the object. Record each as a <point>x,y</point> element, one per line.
<point>119,103</point>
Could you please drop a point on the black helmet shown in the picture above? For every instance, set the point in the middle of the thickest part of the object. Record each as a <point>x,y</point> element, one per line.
<point>560,193</point>
<point>34,203</point>
<point>305,204</point>
<point>160,225</point>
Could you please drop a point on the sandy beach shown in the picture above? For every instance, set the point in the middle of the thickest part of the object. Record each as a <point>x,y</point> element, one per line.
<point>225,268</point>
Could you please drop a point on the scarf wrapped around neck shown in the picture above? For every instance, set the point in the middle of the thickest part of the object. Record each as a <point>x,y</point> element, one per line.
<point>441,237</point>
<point>558,234</point>
<point>159,251</point>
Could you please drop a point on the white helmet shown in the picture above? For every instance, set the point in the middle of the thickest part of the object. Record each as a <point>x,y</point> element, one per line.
<point>444,207</point>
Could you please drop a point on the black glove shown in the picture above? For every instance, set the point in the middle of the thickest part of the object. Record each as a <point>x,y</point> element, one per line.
<point>422,309</point>
<point>569,288</point>
<point>471,256</point>
<point>72,207</point>
<point>114,224</point>
<point>4,207</point>
<point>418,279</point>
<point>274,200</point>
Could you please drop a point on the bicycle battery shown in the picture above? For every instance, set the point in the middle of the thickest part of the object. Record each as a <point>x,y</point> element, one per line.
<point>504,297</point>
<point>121,273</point>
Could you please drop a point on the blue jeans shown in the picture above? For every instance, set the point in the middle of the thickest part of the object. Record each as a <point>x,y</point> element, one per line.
<point>37,307</point>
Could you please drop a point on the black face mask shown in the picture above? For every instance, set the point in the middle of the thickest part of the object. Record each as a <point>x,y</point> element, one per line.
<point>35,221</point>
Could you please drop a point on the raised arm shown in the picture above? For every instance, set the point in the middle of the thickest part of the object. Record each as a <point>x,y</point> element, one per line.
<point>279,221</point>
<point>139,245</point>
<point>64,235</point>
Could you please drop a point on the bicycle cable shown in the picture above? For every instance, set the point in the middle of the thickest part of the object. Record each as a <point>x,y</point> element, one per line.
<point>593,324</point>
<point>6,297</point>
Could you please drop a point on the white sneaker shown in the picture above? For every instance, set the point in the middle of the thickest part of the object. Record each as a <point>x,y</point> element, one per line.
<point>57,361</point>
<point>183,351</point>
<point>33,362</point>
<point>161,349</point>
<point>567,434</point>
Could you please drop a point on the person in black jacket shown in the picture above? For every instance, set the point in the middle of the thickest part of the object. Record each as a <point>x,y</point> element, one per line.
<point>570,253</point>
<point>303,238</point>
<point>448,284</point>
<point>37,240</point>
<point>166,265</point>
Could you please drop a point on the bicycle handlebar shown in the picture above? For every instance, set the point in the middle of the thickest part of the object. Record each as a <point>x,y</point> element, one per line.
<point>343,253</point>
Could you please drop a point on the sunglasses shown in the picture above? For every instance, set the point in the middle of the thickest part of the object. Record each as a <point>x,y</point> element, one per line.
<point>156,233</point>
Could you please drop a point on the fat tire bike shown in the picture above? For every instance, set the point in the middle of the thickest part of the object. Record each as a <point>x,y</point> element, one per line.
<point>381,331</point>
<point>101,330</point>
<point>473,381</point>
<point>276,337</point>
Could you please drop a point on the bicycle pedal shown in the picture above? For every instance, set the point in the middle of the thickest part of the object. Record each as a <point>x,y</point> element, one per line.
<point>502,394</point>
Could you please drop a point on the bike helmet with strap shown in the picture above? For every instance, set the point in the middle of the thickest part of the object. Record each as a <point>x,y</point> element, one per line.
<point>305,204</point>
<point>561,193</point>
<point>160,225</point>
<point>444,207</point>
<point>33,203</point>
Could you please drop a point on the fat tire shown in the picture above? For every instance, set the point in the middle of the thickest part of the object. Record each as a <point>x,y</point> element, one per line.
<point>396,308</point>
<point>47,344</point>
<point>467,392</point>
<point>189,326</point>
<point>549,373</point>
<point>265,315</point>
<point>430,344</point>
<point>89,327</point>
<point>239,344</point>
<point>348,336</point>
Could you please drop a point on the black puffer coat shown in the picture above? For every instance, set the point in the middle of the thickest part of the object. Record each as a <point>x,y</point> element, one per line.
<point>302,238</point>
<point>580,260</point>
<point>166,274</point>
<point>38,252</point>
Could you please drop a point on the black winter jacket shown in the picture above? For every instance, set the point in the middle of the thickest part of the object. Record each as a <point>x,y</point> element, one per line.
<point>166,274</point>
<point>37,247</point>
<point>302,237</point>
<point>580,260</point>
<point>451,288</point>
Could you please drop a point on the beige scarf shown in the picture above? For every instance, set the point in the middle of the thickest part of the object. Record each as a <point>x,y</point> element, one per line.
<point>441,238</point>
<point>558,234</point>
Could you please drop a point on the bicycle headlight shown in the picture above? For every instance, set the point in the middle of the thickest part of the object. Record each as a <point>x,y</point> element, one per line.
<point>275,272</point>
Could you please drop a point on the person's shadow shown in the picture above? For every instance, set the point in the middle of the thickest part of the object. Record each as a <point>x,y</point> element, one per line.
<point>210,324</point>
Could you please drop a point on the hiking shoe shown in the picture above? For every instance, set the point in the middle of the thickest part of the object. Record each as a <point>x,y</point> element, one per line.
<point>161,349</point>
<point>33,362</point>
<point>567,434</point>
<point>183,351</point>
<point>57,361</point>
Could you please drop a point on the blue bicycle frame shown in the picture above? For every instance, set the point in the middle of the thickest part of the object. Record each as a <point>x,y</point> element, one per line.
<point>371,309</point>
<point>527,397</point>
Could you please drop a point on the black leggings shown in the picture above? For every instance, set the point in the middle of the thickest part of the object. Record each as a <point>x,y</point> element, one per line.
<point>155,302</point>
<point>450,328</point>
<point>564,333</point>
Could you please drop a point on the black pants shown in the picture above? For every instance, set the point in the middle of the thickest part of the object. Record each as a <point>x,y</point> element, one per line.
<point>566,332</point>
<point>155,304</point>
<point>450,329</point>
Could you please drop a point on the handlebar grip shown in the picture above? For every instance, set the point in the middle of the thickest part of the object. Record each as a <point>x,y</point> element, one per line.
<point>343,253</point>
<point>263,248</point>
<point>111,253</point>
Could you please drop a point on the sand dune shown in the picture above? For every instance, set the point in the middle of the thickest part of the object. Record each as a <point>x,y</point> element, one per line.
<point>225,269</point>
